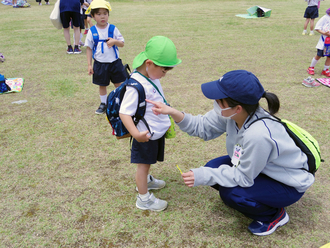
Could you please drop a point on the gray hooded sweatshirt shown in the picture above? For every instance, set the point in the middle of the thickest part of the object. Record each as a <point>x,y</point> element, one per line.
<point>266,148</point>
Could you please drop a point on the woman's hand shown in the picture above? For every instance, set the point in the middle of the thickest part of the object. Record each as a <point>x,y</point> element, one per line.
<point>189,178</point>
<point>160,108</point>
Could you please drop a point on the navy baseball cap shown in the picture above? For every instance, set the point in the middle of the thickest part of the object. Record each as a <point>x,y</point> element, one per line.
<point>239,85</point>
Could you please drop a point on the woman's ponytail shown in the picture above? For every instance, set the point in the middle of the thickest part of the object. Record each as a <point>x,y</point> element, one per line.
<point>272,101</point>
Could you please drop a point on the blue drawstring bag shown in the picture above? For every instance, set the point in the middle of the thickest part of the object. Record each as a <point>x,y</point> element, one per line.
<point>3,86</point>
<point>326,51</point>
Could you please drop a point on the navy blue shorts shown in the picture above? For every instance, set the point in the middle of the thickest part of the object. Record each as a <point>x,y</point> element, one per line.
<point>106,72</point>
<point>262,201</point>
<point>67,16</point>
<point>148,152</point>
<point>311,12</point>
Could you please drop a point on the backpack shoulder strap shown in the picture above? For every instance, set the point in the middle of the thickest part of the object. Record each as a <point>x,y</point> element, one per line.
<point>110,34</point>
<point>142,104</point>
<point>95,35</point>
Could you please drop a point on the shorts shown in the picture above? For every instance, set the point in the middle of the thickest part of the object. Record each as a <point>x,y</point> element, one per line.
<point>320,53</point>
<point>148,152</point>
<point>106,72</point>
<point>67,16</point>
<point>311,12</point>
<point>82,22</point>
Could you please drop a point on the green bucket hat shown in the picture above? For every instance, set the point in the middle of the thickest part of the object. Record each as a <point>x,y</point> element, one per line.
<point>160,50</point>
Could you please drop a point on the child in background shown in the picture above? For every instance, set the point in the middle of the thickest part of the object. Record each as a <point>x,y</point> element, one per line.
<point>147,148</point>
<point>107,64</point>
<point>311,12</point>
<point>85,7</point>
<point>323,27</point>
<point>46,1</point>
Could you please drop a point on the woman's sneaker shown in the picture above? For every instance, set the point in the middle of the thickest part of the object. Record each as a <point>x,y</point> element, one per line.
<point>265,228</point>
<point>153,204</point>
<point>154,183</point>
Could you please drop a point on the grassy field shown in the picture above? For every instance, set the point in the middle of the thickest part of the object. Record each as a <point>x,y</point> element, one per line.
<point>65,181</point>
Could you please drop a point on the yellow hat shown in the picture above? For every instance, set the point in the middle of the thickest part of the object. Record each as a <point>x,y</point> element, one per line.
<point>96,4</point>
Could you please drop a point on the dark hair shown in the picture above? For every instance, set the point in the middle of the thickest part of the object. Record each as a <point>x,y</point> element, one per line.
<point>166,68</point>
<point>94,11</point>
<point>272,101</point>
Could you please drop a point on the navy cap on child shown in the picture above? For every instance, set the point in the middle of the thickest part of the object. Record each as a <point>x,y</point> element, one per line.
<point>239,85</point>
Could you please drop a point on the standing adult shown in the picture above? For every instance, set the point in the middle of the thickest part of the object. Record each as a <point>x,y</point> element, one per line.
<point>70,11</point>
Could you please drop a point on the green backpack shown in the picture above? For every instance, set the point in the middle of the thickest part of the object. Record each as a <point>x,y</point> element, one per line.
<point>304,140</point>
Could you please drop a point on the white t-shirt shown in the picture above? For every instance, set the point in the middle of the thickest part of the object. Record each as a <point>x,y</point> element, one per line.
<point>158,124</point>
<point>108,55</point>
<point>312,2</point>
<point>324,25</point>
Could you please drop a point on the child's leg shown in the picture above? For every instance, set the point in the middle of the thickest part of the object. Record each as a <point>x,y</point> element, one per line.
<point>306,23</point>
<point>327,62</point>
<point>312,24</point>
<point>141,178</point>
<point>103,90</point>
<point>90,23</point>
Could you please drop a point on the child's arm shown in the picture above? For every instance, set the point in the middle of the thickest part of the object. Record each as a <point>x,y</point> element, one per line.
<point>89,53</point>
<point>131,128</point>
<point>111,42</point>
<point>323,32</point>
<point>161,108</point>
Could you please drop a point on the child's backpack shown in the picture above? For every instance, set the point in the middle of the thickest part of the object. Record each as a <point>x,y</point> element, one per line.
<point>113,105</point>
<point>3,86</point>
<point>303,140</point>
<point>326,50</point>
<point>96,39</point>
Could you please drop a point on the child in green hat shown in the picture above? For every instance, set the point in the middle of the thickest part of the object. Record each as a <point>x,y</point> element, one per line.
<point>147,148</point>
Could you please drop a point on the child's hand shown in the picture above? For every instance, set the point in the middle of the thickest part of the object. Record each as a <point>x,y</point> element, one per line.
<point>159,108</point>
<point>189,178</point>
<point>90,70</point>
<point>111,42</point>
<point>143,136</point>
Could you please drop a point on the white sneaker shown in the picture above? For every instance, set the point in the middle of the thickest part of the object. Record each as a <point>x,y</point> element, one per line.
<point>153,204</point>
<point>304,32</point>
<point>154,183</point>
<point>311,33</point>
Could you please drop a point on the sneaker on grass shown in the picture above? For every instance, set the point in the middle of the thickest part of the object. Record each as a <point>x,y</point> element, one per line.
<point>310,70</point>
<point>70,50</point>
<point>154,183</point>
<point>265,228</point>
<point>310,82</point>
<point>326,73</point>
<point>153,204</point>
<point>101,109</point>
<point>76,50</point>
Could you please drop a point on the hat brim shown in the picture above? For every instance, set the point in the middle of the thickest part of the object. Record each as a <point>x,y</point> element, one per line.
<point>139,59</point>
<point>213,91</point>
<point>178,61</point>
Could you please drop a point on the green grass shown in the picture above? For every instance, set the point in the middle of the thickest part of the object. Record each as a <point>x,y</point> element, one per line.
<point>65,181</point>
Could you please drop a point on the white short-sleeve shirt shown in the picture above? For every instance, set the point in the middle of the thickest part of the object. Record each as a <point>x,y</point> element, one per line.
<point>158,124</point>
<point>109,53</point>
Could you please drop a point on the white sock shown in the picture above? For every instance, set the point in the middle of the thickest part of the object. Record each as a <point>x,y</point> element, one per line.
<point>144,197</point>
<point>103,98</point>
<point>326,68</point>
<point>314,61</point>
<point>81,35</point>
